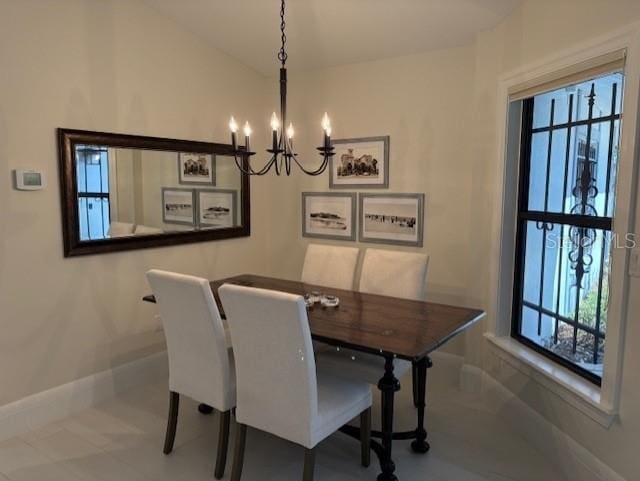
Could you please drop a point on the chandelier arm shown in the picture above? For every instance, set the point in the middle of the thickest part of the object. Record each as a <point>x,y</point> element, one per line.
<point>318,171</point>
<point>323,166</point>
<point>241,168</point>
<point>277,164</point>
<point>250,170</point>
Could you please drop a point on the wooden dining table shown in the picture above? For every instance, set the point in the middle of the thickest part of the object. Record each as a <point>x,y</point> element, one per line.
<point>389,327</point>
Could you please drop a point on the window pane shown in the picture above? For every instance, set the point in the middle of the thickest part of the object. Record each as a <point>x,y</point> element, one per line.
<point>568,160</point>
<point>93,213</point>
<point>538,170</point>
<point>575,273</point>
<point>604,91</point>
<point>561,100</point>
<point>563,228</point>
<point>92,169</point>
<point>557,171</point>
<point>610,188</point>
<point>532,262</point>
<point>82,216</point>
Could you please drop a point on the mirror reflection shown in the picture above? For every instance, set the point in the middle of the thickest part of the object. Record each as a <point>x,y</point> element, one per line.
<point>136,192</point>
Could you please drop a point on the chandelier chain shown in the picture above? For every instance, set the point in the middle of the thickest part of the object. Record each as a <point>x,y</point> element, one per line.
<point>282,54</point>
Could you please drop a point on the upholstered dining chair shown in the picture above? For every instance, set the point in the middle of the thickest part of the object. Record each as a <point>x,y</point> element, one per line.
<point>201,364</point>
<point>387,273</point>
<point>330,266</point>
<point>279,390</point>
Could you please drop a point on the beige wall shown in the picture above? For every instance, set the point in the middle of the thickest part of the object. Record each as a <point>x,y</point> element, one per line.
<point>440,110</point>
<point>113,66</point>
<point>531,33</point>
<point>117,66</point>
<point>422,102</point>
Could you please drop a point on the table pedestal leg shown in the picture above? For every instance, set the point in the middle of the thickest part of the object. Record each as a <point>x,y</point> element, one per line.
<point>388,386</point>
<point>420,444</point>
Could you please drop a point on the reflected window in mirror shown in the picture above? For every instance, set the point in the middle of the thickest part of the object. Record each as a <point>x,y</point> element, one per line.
<point>92,172</point>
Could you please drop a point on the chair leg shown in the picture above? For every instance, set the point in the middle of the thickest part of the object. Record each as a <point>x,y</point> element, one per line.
<point>223,443</point>
<point>365,437</point>
<point>238,455</point>
<point>415,375</point>
<point>309,464</point>
<point>172,422</point>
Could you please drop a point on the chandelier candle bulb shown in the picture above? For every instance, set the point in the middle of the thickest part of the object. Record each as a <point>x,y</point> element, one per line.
<point>233,126</point>
<point>247,134</point>
<point>275,125</point>
<point>327,137</point>
<point>326,126</point>
<point>326,122</point>
<point>290,131</point>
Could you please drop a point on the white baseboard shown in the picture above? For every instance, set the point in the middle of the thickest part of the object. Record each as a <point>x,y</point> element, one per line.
<point>570,458</point>
<point>59,402</point>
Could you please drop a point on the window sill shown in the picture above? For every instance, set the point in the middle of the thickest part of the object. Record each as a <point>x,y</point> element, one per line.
<point>578,392</point>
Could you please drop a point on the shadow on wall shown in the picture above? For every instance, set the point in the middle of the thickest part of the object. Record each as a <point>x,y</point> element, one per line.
<point>4,192</point>
<point>100,36</point>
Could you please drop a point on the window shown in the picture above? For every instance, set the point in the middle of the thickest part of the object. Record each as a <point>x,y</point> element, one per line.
<point>92,172</point>
<point>566,198</point>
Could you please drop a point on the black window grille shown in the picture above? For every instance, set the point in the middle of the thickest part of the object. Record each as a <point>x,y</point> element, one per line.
<point>566,197</point>
<point>92,173</point>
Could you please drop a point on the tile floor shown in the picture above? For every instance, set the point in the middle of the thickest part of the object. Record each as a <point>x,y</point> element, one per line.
<point>121,440</point>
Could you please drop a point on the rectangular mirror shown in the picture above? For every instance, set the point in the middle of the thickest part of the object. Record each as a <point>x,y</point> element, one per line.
<point>124,192</point>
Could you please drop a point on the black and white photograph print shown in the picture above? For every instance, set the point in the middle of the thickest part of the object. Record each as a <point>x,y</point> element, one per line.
<point>217,208</point>
<point>392,219</point>
<point>196,169</point>
<point>178,206</point>
<point>360,163</point>
<point>329,215</point>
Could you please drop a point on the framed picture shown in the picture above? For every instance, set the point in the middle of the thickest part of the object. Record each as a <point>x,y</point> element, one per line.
<point>196,169</point>
<point>329,215</point>
<point>217,207</point>
<point>178,206</point>
<point>392,219</point>
<point>360,163</point>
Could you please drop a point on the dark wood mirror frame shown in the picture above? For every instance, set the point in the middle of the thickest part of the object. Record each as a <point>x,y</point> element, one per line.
<point>67,140</point>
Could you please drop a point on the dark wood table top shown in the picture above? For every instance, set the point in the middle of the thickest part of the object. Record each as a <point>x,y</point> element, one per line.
<point>376,324</point>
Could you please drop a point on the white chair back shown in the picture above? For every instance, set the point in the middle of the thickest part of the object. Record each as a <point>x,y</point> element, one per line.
<point>394,273</point>
<point>120,229</point>
<point>330,266</point>
<point>275,365</point>
<point>199,361</point>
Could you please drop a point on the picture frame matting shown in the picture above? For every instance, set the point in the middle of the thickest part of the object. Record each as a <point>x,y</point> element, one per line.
<point>350,168</point>
<point>175,217</point>
<point>331,215</point>
<point>399,221</point>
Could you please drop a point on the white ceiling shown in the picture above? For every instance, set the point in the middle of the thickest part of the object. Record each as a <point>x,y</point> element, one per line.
<point>322,33</point>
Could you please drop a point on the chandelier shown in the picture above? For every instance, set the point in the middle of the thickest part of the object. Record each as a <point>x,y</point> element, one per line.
<point>282,153</point>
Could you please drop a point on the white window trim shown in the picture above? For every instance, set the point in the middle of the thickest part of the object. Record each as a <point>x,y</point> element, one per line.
<point>602,405</point>
<point>569,386</point>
